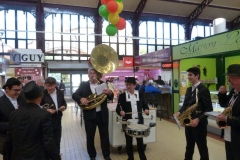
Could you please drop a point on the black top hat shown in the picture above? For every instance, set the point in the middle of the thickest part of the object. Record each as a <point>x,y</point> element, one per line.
<point>32,90</point>
<point>130,80</point>
<point>233,70</point>
<point>11,82</point>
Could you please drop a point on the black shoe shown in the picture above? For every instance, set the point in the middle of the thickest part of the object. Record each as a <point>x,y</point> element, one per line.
<point>92,158</point>
<point>107,158</point>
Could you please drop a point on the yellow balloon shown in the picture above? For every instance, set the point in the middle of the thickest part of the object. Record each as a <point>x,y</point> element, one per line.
<point>113,18</point>
<point>120,7</point>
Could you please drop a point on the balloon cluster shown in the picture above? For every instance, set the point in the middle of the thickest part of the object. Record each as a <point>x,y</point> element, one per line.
<point>110,10</point>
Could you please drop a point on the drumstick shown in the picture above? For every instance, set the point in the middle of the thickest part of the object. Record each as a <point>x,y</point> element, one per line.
<point>133,112</point>
<point>120,106</point>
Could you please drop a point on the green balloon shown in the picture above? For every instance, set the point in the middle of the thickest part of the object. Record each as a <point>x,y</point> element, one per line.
<point>103,11</point>
<point>111,30</point>
<point>118,0</point>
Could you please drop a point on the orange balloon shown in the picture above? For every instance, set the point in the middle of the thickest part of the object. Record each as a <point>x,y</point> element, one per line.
<point>121,24</point>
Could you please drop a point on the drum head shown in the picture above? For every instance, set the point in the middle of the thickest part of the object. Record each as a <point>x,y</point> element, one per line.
<point>138,126</point>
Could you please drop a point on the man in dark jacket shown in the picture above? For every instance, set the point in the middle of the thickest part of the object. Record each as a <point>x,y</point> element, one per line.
<point>94,117</point>
<point>9,102</point>
<point>196,131</point>
<point>31,129</point>
<point>232,118</point>
<point>53,101</point>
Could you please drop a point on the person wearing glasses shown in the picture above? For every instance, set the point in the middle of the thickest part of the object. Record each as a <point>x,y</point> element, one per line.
<point>9,102</point>
<point>53,101</point>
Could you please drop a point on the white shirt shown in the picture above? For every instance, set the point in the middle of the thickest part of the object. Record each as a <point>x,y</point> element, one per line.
<point>54,98</point>
<point>133,98</point>
<point>93,86</point>
<point>195,85</point>
<point>13,101</point>
<point>227,131</point>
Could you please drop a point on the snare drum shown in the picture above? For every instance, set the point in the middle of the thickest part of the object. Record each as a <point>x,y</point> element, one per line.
<point>137,130</point>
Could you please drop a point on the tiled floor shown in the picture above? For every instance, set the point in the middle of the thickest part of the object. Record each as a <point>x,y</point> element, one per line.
<point>170,144</point>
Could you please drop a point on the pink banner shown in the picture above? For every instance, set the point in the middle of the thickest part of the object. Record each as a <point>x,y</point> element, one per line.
<point>163,55</point>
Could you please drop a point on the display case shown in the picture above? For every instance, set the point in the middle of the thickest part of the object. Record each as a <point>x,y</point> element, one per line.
<point>116,133</point>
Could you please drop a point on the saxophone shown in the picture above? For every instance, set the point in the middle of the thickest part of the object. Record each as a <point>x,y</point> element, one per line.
<point>227,112</point>
<point>185,117</point>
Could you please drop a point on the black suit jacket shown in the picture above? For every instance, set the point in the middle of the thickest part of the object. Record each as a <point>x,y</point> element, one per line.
<point>56,117</point>
<point>235,122</point>
<point>84,91</point>
<point>32,134</point>
<point>204,103</point>
<point>126,106</point>
<point>6,108</point>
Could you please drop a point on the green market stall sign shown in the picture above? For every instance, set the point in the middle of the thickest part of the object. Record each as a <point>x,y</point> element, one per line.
<point>225,42</point>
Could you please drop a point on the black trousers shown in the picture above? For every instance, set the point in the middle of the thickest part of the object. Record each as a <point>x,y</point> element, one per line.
<point>57,134</point>
<point>231,152</point>
<point>140,147</point>
<point>90,127</point>
<point>196,135</point>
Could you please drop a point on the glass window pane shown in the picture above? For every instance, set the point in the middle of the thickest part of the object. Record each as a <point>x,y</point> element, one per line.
<point>48,58</point>
<point>174,33</point>
<point>207,31</point>
<point>83,58</point>
<point>10,23</point>
<point>200,31</point>
<point>57,47</point>
<point>151,32</point>
<point>31,26</point>
<point>114,46</point>
<point>57,57</point>
<point>151,49</point>
<point>83,28</point>
<point>159,31</point>
<point>21,24</point>
<point>166,35</point>
<point>159,48</point>
<point>74,27</point>
<point>90,30</point>
<point>11,43</point>
<point>75,57</point>
<point>48,46</point>
<point>83,48</point>
<point>113,39</point>
<point>105,38</point>
<point>194,32</point>
<point>143,29</point>
<point>142,49</point>
<point>129,49</point>
<point>2,22</point>
<point>48,27</point>
<point>21,44</point>
<point>128,32</point>
<point>31,44</point>
<point>122,49</point>
<point>90,47</point>
<point>66,26</point>
<point>66,47</point>
<point>57,26</point>
<point>74,47</point>
<point>121,38</point>
<point>181,33</point>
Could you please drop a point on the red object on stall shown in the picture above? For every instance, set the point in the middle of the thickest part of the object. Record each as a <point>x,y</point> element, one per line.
<point>127,61</point>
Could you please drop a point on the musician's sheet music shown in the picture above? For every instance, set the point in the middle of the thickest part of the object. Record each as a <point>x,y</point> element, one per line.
<point>100,88</point>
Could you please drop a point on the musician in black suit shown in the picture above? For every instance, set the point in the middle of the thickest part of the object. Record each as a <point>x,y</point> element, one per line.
<point>196,132</point>
<point>54,102</point>
<point>31,129</point>
<point>131,101</point>
<point>10,101</point>
<point>232,131</point>
<point>94,117</point>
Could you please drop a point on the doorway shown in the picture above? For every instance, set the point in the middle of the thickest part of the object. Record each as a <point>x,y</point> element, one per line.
<point>71,81</point>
